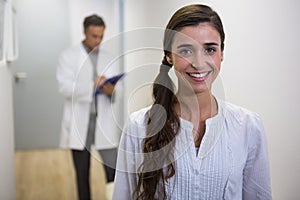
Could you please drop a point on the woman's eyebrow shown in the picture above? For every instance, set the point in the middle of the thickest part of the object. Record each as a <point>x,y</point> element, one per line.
<point>190,45</point>
<point>211,44</point>
<point>184,46</point>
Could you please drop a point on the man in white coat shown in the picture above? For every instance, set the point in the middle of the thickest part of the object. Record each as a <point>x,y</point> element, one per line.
<point>87,118</point>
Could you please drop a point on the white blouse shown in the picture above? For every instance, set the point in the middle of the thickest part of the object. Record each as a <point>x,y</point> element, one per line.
<point>232,162</point>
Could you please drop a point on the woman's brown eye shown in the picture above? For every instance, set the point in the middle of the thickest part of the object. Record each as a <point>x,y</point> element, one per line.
<point>210,50</point>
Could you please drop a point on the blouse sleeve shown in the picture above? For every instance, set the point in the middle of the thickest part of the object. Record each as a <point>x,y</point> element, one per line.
<point>129,159</point>
<point>256,175</point>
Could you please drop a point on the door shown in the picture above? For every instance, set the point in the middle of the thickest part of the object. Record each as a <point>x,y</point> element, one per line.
<point>43,32</point>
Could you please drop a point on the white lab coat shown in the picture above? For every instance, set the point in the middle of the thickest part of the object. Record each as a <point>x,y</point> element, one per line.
<point>75,82</point>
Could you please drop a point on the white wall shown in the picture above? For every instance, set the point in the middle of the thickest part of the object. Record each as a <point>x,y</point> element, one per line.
<point>260,70</point>
<point>7,181</point>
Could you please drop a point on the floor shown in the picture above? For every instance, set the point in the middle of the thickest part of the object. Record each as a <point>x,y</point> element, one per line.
<point>49,174</point>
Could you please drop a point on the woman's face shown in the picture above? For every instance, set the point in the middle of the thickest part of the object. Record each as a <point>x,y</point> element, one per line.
<point>196,56</point>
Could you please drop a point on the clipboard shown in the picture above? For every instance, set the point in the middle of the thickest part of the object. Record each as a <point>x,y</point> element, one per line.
<point>112,80</point>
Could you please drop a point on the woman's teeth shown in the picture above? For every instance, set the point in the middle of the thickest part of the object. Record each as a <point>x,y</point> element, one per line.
<point>198,75</point>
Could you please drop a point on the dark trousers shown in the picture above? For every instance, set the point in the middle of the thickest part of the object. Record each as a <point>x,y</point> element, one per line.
<point>81,160</point>
<point>109,157</point>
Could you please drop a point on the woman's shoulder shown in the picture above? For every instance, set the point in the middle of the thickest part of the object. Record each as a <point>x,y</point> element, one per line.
<point>139,117</point>
<point>238,112</point>
<point>136,125</point>
<point>243,119</point>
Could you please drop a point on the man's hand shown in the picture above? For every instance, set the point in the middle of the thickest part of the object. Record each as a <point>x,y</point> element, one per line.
<point>107,89</point>
<point>99,80</point>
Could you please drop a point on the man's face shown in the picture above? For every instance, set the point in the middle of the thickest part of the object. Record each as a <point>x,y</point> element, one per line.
<point>93,36</point>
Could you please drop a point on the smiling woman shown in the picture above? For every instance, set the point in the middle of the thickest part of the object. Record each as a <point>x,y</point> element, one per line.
<point>189,144</point>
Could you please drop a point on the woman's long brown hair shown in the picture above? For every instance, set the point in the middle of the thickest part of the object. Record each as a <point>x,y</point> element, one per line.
<point>158,163</point>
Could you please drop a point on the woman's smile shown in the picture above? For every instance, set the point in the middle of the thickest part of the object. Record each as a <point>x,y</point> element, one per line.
<point>199,76</point>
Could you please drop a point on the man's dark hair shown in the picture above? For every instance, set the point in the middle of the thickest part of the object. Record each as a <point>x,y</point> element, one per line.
<point>93,20</point>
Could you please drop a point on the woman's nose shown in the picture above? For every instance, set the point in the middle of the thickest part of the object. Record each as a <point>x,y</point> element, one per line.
<point>200,59</point>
